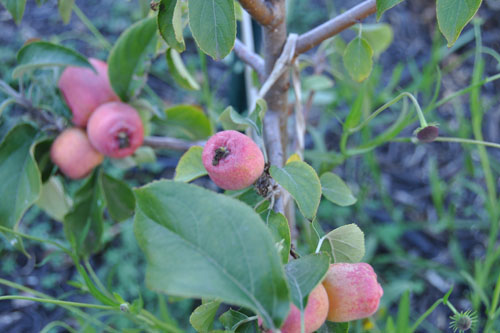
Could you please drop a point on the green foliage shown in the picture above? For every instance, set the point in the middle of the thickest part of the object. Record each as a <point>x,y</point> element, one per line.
<point>176,225</point>
<point>54,200</point>
<point>278,225</point>
<point>403,319</point>
<point>238,322</point>
<point>179,72</point>
<point>128,54</point>
<point>347,243</point>
<point>330,327</point>
<point>20,184</point>
<point>65,9</point>
<point>15,8</point>
<point>304,274</point>
<point>119,197</point>
<point>379,36</point>
<point>44,54</point>
<point>203,316</point>
<point>169,20</point>
<point>453,16</point>
<point>213,25</point>
<point>335,190</point>
<point>190,165</point>
<point>187,122</point>
<point>358,59</point>
<point>83,225</point>
<point>302,182</point>
<point>383,5</point>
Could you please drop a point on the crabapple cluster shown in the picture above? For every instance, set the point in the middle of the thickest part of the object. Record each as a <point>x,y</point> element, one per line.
<point>104,124</point>
<point>348,292</point>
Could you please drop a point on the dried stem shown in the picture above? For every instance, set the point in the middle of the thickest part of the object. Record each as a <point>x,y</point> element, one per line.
<point>250,58</point>
<point>332,27</point>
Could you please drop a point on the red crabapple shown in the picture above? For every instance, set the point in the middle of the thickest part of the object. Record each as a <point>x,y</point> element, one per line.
<point>314,314</point>
<point>73,153</point>
<point>84,90</point>
<point>115,129</point>
<point>233,160</point>
<point>353,291</point>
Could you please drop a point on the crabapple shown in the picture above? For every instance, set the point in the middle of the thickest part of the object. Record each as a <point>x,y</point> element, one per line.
<point>84,90</point>
<point>73,153</point>
<point>233,160</point>
<point>353,291</point>
<point>314,314</point>
<point>115,129</point>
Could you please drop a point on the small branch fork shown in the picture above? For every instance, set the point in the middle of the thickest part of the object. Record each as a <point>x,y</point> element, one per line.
<point>261,10</point>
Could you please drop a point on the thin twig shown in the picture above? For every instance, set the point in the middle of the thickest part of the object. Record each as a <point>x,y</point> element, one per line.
<point>260,10</point>
<point>332,27</point>
<point>170,143</point>
<point>250,58</point>
<point>47,120</point>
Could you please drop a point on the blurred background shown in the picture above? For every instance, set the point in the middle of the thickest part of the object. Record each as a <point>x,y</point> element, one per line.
<point>426,209</point>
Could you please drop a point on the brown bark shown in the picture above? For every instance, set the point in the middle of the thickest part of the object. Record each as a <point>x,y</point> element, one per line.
<point>332,27</point>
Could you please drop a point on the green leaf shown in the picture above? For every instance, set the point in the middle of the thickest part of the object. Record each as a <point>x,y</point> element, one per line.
<point>53,200</point>
<point>232,120</point>
<point>190,165</point>
<point>20,182</point>
<point>15,8</point>
<point>83,225</point>
<point>256,118</point>
<point>202,244</point>
<point>202,318</point>
<point>330,327</point>
<point>379,36</point>
<point>213,25</point>
<point>383,5</point>
<point>304,274</point>
<point>358,59</point>
<point>335,190</point>
<point>403,319</point>
<point>169,21</point>
<point>179,71</point>
<point>128,54</point>
<point>302,182</point>
<point>278,225</point>
<point>187,122</point>
<point>235,321</point>
<point>356,111</point>
<point>41,152</point>
<point>44,54</point>
<point>453,16</point>
<point>119,197</point>
<point>65,9</point>
<point>347,243</point>
<point>316,82</point>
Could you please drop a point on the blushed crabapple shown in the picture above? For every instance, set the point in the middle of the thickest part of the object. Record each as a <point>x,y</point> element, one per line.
<point>233,160</point>
<point>115,129</point>
<point>353,291</point>
<point>72,152</point>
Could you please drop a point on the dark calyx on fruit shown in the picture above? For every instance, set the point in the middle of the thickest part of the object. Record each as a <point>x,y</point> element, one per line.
<point>220,153</point>
<point>123,140</point>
